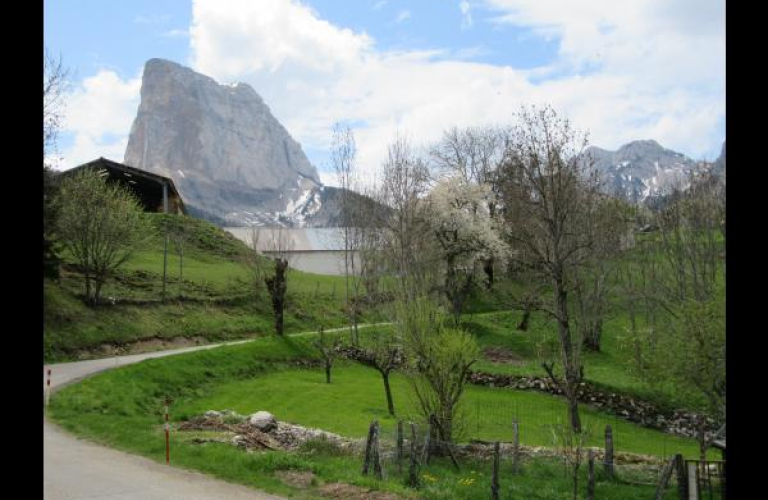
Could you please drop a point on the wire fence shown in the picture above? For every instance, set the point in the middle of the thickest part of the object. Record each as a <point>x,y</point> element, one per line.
<point>493,421</point>
<point>415,454</point>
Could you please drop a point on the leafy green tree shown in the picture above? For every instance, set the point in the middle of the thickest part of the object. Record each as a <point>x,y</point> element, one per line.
<point>100,224</point>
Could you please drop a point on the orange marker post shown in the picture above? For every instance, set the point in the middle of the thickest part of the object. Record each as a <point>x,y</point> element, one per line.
<point>167,434</point>
<point>48,387</point>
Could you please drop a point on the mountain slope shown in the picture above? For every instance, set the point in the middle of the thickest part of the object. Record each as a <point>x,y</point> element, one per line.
<point>641,170</point>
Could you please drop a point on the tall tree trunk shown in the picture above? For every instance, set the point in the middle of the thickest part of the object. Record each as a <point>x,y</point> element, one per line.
<point>569,356</point>
<point>97,290</point>
<point>523,325</point>
<point>388,391</point>
<point>488,268</point>
<point>88,288</point>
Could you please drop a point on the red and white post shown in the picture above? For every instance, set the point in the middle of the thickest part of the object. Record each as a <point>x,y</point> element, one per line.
<point>48,387</point>
<point>167,434</point>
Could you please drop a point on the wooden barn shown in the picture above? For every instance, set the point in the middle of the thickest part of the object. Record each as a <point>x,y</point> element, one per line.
<point>155,192</point>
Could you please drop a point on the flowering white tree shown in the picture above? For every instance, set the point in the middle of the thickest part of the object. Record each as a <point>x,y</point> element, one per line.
<point>465,231</point>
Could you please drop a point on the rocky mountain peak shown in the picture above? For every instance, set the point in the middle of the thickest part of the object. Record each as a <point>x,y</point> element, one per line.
<point>642,169</point>
<point>226,152</point>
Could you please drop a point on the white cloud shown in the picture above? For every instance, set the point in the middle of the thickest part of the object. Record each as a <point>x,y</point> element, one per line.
<point>403,15</point>
<point>177,33</point>
<point>378,5</point>
<point>631,72</point>
<point>99,115</point>
<point>625,71</point>
<point>466,14</point>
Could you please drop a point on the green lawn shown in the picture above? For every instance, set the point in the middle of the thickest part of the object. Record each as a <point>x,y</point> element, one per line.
<point>123,408</point>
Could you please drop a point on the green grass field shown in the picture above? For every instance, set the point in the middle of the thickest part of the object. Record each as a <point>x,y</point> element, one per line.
<point>123,408</point>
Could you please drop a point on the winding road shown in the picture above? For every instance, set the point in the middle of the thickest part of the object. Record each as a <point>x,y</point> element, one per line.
<point>76,469</point>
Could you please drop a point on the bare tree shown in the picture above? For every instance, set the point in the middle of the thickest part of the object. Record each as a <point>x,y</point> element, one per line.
<point>382,352</point>
<point>595,278</point>
<point>178,233</point>
<point>404,185</point>
<point>343,159</point>
<point>550,201</point>
<point>268,259</point>
<point>328,349</point>
<point>55,86</point>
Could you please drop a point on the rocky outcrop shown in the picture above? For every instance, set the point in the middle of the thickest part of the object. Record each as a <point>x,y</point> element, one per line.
<point>227,154</point>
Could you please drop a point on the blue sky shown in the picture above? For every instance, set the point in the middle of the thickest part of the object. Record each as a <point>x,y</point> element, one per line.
<point>644,69</point>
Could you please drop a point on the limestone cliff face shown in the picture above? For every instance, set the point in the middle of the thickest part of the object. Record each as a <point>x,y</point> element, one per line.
<point>226,153</point>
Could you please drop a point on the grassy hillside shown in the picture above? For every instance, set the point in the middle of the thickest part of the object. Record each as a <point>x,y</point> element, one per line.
<point>218,297</point>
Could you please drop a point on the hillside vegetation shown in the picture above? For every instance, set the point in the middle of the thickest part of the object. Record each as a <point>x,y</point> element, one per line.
<point>216,300</point>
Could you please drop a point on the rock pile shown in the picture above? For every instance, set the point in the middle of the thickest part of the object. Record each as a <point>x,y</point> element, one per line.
<point>261,430</point>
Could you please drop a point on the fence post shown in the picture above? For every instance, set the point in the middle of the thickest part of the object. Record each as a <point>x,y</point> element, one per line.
<point>413,472</point>
<point>591,476</point>
<point>495,478</point>
<point>516,448</point>
<point>400,446</point>
<point>666,474</point>
<point>375,452</point>
<point>682,483</point>
<point>427,444</point>
<point>693,480</point>
<point>608,459</point>
<point>48,388</point>
<point>368,445</point>
<point>167,433</point>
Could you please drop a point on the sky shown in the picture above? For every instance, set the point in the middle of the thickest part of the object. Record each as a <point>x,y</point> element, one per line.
<point>622,70</point>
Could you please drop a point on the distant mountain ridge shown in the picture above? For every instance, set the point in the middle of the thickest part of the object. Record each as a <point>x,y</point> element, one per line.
<point>642,170</point>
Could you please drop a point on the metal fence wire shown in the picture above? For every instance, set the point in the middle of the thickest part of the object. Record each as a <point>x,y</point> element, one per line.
<point>409,450</point>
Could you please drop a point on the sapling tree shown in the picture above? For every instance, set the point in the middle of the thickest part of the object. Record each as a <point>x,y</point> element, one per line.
<point>382,352</point>
<point>439,360</point>
<point>328,349</point>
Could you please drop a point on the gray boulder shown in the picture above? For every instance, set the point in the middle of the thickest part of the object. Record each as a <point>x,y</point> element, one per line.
<point>263,421</point>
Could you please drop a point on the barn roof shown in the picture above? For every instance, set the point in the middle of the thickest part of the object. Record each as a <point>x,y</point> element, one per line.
<point>135,177</point>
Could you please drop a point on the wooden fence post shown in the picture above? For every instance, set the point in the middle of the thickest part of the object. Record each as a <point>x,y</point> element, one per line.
<point>608,459</point>
<point>682,482</point>
<point>368,446</point>
<point>666,474</point>
<point>693,481</point>
<point>425,452</point>
<point>400,446</point>
<point>516,448</point>
<point>495,478</point>
<point>375,452</point>
<point>413,472</point>
<point>591,476</point>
